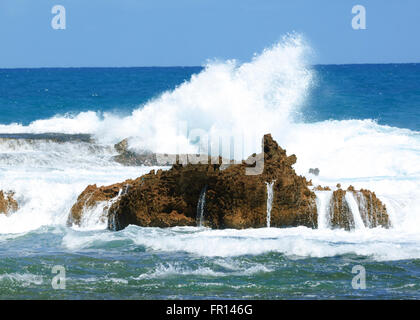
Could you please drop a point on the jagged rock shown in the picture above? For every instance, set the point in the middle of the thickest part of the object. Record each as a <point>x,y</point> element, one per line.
<point>161,199</point>
<point>90,198</point>
<point>351,188</point>
<point>7,203</point>
<point>372,210</point>
<point>238,200</point>
<point>131,158</point>
<point>232,198</point>
<point>320,188</point>
<point>340,214</point>
<point>122,146</point>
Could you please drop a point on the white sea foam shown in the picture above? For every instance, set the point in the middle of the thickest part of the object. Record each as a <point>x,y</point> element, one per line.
<point>165,270</point>
<point>176,269</point>
<point>23,279</point>
<point>380,244</point>
<point>226,98</point>
<point>249,99</point>
<point>45,196</point>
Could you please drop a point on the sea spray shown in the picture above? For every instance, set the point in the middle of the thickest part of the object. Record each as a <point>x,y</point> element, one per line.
<point>323,202</point>
<point>354,209</point>
<point>99,217</point>
<point>368,215</point>
<point>225,98</point>
<point>112,221</point>
<point>201,206</point>
<point>270,194</point>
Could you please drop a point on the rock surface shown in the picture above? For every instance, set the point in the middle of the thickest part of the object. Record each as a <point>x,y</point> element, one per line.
<point>340,214</point>
<point>232,198</point>
<point>372,210</point>
<point>90,198</point>
<point>7,203</point>
<point>131,158</point>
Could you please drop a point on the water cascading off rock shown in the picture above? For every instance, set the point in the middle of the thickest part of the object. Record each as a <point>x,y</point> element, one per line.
<point>270,194</point>
<point>200,207</point>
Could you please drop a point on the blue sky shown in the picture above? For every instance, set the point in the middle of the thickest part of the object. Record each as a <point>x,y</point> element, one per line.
<point>188,32</point>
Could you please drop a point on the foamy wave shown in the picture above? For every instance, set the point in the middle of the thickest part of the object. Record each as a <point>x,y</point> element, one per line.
<point>176,269</point>
<point>380,244</point>
<point>45,195</point>
<point>50,154</point>
<point>165,270</point>
<point>225,98</point>
<point>23,279</point>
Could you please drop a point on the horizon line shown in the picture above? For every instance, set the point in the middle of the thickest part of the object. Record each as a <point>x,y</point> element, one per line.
<point>195,66</point>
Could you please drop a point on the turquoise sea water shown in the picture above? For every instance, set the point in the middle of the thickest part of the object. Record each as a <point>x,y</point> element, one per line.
<point>358,123</point>
<point>121,268</point>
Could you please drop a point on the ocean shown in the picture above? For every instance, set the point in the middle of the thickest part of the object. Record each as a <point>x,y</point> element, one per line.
<point>359,124</point>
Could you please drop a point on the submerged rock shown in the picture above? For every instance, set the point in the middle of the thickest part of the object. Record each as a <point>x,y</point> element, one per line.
<point>131,158</point>
<point>7,203</point>
<point>128,157</point>
<point>314,171</point>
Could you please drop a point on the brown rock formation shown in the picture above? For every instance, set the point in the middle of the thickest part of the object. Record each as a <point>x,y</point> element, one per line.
<point>371,209</point>
<point>90,198</point>
<point>232,198</point>
<point>7,203</point>
<point>320,188</point>
<point>238,200</point>
<point>340,214</point>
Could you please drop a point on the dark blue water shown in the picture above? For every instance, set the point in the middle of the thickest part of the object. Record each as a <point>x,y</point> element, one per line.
<point>388,93</point>
<point>30,94</point>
